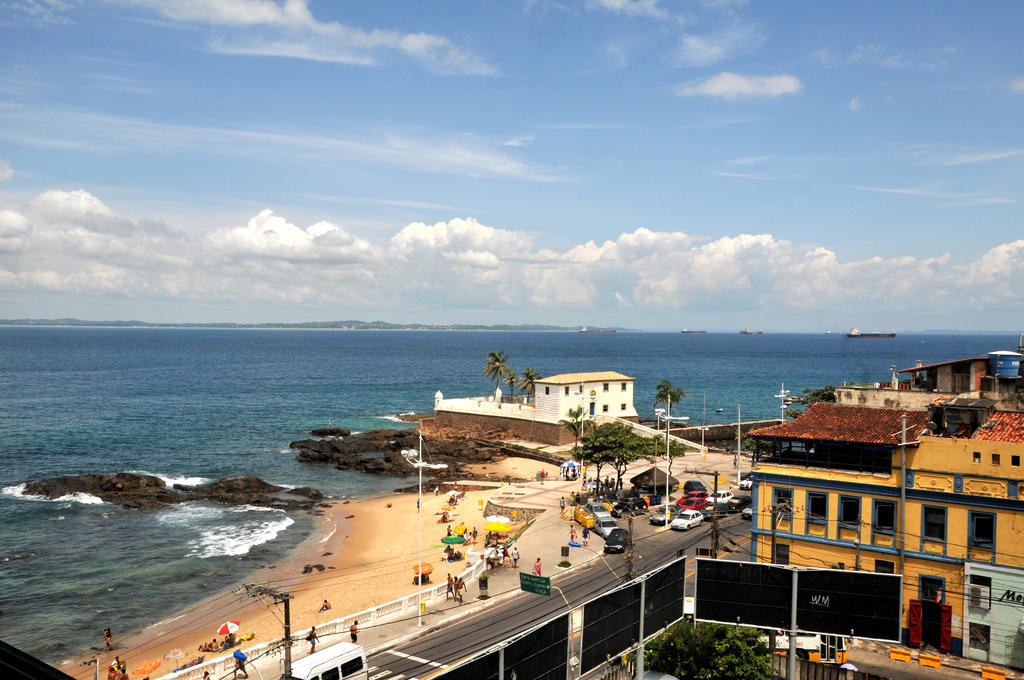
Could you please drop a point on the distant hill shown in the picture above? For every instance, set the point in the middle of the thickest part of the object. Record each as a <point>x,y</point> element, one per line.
<point>325,325</point>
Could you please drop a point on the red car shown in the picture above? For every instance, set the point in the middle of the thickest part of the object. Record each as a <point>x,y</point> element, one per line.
<point>697,494</point>
<point>692,503</point>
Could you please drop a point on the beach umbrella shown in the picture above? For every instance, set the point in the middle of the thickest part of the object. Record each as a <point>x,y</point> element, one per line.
<point>448,507</point>
<point>426,566</point>
<point>461,529</point>
<point>146,667</point>
<point>451,540</point>
<point>175,654</point>
<point>570,464</point>
<point>849,666</point>
<point>228,627</point>
<point>497,526</point>
<point>496,518</point>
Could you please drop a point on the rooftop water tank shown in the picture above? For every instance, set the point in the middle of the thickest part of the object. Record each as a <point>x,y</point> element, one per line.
<point>1004,364</point>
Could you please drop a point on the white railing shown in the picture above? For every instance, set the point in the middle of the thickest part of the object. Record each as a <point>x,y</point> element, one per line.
<point>648,431</point>
<point>368,617</point>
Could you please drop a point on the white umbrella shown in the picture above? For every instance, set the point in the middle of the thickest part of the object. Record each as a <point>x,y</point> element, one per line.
<point>497,518</point>
<point>569,464</point>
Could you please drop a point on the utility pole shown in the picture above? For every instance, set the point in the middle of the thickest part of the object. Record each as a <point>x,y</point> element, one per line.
<point>714,523</point>
<point>630,557</point>
<point>255,590</point>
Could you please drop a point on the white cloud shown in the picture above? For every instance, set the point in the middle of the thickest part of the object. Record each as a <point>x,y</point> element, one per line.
<point>855,104</point>
<point>735,86</point>
<point>710,48</point>
<point>457,268</point>
<point>269,236</point>
<point>630,8</point>
<point>966,159</point>
<point>6,171</point>
<point>303,36</point>
<point>1016,85</point>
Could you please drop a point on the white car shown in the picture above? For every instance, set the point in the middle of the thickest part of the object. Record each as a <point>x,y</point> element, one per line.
<point>720,497</point>
<point>747,484</point>
<point>687,519</point>
<point>598,510</point>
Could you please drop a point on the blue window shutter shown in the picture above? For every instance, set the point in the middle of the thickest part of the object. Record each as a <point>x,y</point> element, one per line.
<point>958,483</point>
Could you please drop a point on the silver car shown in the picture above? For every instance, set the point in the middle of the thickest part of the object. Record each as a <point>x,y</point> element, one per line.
<point>604,526</point>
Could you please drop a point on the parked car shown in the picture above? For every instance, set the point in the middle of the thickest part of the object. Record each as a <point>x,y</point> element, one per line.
<point>658,517</point>
<point>737,503</point>
<point>598,509</point>
<point>616,541</point>
<point>629,506</point>
<point>722,497</point>
<point>583,516</point>
<point>747,481</point>
<point>699,493</point>
<point>710,511</point>
<point>694,485</point>
<point>687,519</point>
<point>747,514</point>
<point>692,503</point>
<point>604,526</point>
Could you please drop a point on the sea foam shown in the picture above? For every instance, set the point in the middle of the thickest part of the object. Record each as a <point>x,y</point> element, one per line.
<point>171,481</point>
<point>18,491</point>
<point>237,539</point>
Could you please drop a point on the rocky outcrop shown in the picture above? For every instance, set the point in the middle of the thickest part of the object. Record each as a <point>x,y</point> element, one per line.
<point>330,432</point>
<point>379,452</point>
<point>132,490</point>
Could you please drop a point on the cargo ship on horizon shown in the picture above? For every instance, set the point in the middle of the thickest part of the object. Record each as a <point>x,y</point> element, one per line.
<point>854,333</point>
<point>584,329</point>
<point>747,331</point>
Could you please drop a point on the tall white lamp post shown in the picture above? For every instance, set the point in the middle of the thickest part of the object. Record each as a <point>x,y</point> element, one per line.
<point>782,396</point>
<point>415,458</point>
<point>667,415</point>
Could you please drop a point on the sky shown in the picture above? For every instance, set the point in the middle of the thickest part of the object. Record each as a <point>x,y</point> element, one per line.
<point>647,164</point>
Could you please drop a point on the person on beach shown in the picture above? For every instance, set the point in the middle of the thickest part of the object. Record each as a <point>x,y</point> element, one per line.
<point>450,593</point>
<point>353,631</point>
<point>325,606</point>
<point>536,567</point>
<point>474,534</point>
<point>311,639</point>
<point>108,638</point>
<point>586,537</point>
<point>515,556</point>
<point>561,503</point>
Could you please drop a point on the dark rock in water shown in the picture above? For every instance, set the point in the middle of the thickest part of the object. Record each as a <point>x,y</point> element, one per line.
<point>330,432</point>
<point>133,490</point>
<point>307,492</point>
<point>379,451</point>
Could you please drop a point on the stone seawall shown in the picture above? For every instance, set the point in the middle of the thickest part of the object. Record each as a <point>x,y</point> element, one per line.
<point>516,428</point>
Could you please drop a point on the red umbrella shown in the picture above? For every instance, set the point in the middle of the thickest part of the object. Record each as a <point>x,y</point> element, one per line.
<point>228,627</point>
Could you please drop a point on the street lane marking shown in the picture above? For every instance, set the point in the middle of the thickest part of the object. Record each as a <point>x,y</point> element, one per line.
<point>410,657</point>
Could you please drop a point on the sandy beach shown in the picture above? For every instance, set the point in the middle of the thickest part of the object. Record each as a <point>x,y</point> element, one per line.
<point>367,547</point>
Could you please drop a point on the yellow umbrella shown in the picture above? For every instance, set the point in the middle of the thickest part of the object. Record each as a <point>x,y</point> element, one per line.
<point>461,529</point>
<point>497,526</point>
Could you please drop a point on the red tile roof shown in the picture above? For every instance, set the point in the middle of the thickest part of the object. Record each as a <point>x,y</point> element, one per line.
<point>854,424</point>
<point>915,369</point>
<point>1006,427</point>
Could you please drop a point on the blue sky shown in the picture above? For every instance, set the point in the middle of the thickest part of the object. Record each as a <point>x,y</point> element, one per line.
<point>642,163</point>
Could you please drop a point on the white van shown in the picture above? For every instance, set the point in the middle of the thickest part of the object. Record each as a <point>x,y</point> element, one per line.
<point>341,661</point>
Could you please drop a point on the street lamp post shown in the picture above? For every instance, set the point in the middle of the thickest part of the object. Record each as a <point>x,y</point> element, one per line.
<point>661,413</point>
<point>782,396</point>
<point>415,458</point>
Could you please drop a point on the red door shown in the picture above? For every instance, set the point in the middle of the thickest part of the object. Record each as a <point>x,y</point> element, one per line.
<point>914,624</point>
<point>945,630</point>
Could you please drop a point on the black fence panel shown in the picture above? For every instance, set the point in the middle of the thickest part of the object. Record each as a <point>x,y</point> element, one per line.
<point>481,668</point>
<point>746,593</point>
<point>540,655</point>
<point>864,604</point>
<point>664,597</point>
<point>611,624</point>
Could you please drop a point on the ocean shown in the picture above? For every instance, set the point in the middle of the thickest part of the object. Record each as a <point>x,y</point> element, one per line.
<point>193,405</point>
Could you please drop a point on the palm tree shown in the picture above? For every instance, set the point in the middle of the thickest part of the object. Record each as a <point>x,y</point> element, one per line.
<point>668,394</point>
<point>511,379</point>
<point>527,379</point>
<point>574,423</point>
<point>496,367</point>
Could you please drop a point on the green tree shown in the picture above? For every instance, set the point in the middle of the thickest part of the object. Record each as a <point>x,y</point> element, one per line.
<point>511,379</point>
<point>617,445</point>
<point>710,651</point>
<point>496,367</point>
<point>668,394</point>
<point>574,423</point>
<point>826,394</point>
<point>527,380</point>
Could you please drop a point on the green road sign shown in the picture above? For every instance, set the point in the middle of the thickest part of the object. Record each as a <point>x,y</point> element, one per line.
<point>540,585</point>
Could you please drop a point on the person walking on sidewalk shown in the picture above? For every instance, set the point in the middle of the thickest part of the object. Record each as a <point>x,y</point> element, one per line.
<point>311,639</point>
<point>353,631</point>
<point>449,594</point>
<point>515,556</point>
<point>536,567</point>
<point>586,537</point>
<point>572,534</point>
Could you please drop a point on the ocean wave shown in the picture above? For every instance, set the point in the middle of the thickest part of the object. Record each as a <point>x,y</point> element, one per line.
<point>171,481</point>
<point>18,491</point>
<point>397,418</point>
<point>328,536</point>
<point>234,540</point>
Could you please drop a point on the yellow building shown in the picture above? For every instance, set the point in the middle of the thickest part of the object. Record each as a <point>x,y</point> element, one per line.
<point>949,518</point>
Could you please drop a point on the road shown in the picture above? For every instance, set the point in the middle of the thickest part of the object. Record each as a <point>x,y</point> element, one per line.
<point>429,655</point>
